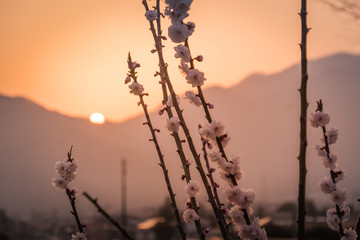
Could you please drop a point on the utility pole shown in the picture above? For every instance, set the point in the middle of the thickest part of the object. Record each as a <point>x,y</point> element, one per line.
<point>123,193</point>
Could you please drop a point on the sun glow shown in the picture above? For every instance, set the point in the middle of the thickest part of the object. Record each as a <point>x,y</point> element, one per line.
<point>97,118</point>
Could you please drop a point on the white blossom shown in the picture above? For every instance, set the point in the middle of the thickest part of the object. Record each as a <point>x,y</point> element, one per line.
<point>78,236</point>
<point>243,198</point>
<point>182,52</point>
<point>151,15</point>
<point>319,119</point>
<point>332,136</point>
<point>192,98</point>
<point>195,78</point>
<point>349,234</point>
<point>330,162</point>
<point>192,188</point>
<point>190,216</point>
<point>212,130</point>
<point>60,182</point>
<point>177,10</point>
<point>253,231</point>
<point>237,215</point>
<point>66,171</point>
<point>232,167</point>
<point>327,185</point>
<point>178,32</point>
<point>248,198</point>
<point>173,124</point>
<point>234,195</point>
<point>136,88</point>
<point>184,68</point>
<point>338,197</point>
<point>345,213</point>
<point>321,152</point>
<point>332,219</point>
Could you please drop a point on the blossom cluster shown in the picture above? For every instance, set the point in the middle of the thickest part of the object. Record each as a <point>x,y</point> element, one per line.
<point>215,131</point>
<point>179,32</point>
<point>135,87</point>
<point>240,198</point>
<point>78,236</point>
<point>66,172</point>
<point>192,189</point>
<point>335,216</point>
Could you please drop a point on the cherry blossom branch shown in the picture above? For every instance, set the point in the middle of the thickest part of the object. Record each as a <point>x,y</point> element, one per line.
<point>66,171</point>
<point>165,77</point>
<point>153,131</point>
<point>72,198</point>
<point>334,216</point>
<point>218,139</point>
<point>214,185</point>
<point>107,216</point>
<point>303,116</point>
<point>172,120</point>
<point>206,107</point>
<point>332,173</point>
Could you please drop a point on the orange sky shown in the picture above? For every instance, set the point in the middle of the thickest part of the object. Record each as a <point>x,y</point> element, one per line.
<point>70,55</point>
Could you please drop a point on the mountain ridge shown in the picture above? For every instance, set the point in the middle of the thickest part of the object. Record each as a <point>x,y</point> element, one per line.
<point>261,114</point>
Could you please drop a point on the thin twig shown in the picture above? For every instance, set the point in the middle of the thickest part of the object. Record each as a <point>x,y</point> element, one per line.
<point>303,116</point>
<point>107,216</point>
<point>72,199</point>
<point>165,77</point>
<point>160,155</point>
<point>214,185</point>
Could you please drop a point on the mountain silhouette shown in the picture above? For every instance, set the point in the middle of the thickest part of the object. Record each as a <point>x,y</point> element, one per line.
<point>261,114</point>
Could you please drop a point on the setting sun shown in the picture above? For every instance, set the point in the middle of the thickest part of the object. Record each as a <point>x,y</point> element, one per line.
<point>97,118</point>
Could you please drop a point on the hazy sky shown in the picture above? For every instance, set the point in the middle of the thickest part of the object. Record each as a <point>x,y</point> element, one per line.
<point>70,55</point>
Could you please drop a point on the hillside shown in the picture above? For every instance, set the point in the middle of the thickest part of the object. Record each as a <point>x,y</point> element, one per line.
<point>261,113</point>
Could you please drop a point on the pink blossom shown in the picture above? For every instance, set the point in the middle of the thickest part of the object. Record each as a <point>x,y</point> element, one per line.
<point>151,15</point>
<point>173,124</point>
<point>136,88</point>
<point>178,32</point>
<point>319,119</point>
<point>338,197</point>
<point>192,188</point>
<point>190,216</point>
<point>327,185</point>
<point>195,78</point>
<point>349,234</point>
<point>330,162</point>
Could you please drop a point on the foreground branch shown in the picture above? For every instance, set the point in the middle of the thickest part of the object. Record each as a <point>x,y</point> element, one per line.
<point>107,216</point>
<point>303,116</point>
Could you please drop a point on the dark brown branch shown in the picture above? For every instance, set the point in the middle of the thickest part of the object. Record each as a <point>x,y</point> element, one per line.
<point>303,117</point>
<point>107,216</point>
<point>332,174</point>
<point>72,198</point>
<point>214,185</point>
<point>165,78</point>
<point>160,155</point>
<point>74,211</point>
